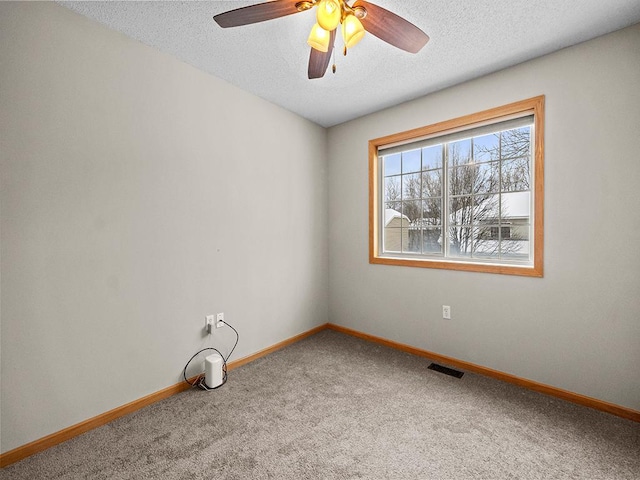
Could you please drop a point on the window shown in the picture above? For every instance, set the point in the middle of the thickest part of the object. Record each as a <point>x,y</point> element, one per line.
<point>465,194</point>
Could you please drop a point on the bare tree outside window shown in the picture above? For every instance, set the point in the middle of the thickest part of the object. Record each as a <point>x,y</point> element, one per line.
<point>483,175</point>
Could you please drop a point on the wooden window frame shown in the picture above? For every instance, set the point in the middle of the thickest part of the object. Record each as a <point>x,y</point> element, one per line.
<point>530,106</point>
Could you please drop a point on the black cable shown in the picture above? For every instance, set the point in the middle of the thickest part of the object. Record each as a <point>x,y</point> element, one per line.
<point>199,380</point>
<point>235,344</point>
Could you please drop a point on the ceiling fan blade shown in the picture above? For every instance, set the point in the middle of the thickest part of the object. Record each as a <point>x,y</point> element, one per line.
<point>391,28</point>
<point>319,61</point>
<point>256,13</point>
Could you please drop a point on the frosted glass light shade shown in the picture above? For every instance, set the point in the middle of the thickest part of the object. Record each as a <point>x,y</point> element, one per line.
<point>319,38</point>
<point>352,30</point>
<point>329,14</point>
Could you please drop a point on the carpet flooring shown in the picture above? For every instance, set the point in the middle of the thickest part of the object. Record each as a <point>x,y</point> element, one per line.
<point>337,407</point>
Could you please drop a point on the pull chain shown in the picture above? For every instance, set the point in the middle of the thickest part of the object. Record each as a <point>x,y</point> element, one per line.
<point>334,68</point>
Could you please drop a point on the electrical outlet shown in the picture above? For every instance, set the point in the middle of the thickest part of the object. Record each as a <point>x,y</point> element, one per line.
<point>208,322</point>
<point>219,320</point>
<point>446,312</point>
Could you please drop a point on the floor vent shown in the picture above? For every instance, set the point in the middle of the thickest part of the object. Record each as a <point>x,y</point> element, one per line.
<point>446,370</point>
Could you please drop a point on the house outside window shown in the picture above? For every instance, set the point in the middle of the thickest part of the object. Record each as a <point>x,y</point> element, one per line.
<point>465,194</point>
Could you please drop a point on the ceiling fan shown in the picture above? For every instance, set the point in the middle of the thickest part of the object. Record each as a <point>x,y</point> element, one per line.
<point>355,19</point>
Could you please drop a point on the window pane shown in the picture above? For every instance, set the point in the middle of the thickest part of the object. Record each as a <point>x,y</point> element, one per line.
<point>412,210</point>
<point>395,206</point>
<point>486,209</point>
<point>486,148</point>
<point>392,188</point>
<point>486,246</point>
<point>411,161</point>
<point>461,179</point>
<point>488,232</point>
<point>515,206</point>
<point>487,178</point>
<point>516,142</point>
<point>518,231</point>
<point>432,184</point>
<point>460,241</point>
<point>391,164</point>
<point>515,175</point>
<point>461,210</point>
<point>515,250</point>
<point>411,186</point>
<point>432,157</point>
<point>460,152</point>
<point>432,241</point>
<point>413,237</point>
<point>392,239</point>
<point>432,212</point>
<point>393,218</point>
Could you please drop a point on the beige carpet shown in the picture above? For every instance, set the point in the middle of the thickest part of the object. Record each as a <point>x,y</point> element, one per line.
<point>335,407</point>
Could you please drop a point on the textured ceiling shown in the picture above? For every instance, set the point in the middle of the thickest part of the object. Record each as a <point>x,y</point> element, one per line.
<point>469,38</point>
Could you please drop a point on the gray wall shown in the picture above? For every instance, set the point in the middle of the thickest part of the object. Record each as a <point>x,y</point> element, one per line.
<point>138,195</point>
<point>578,328</point>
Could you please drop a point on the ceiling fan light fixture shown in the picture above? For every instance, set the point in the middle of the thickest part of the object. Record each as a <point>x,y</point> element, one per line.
<point>319,39</point>
<point>329,14</point>
<point>352,30</point>
<point>356,17</point>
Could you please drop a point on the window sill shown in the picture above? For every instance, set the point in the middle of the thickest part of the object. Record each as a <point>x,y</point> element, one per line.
<point>446,264</point>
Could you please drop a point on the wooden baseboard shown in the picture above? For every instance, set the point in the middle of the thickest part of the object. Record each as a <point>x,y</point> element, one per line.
<point>590,402</point>
<point>68,433</point>
<point>56,438</point>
